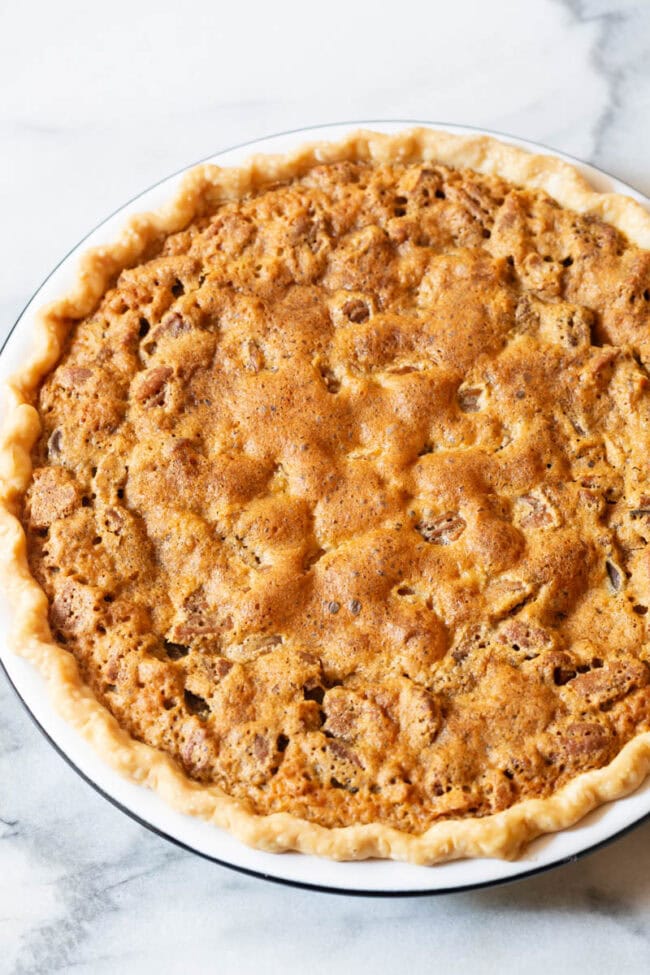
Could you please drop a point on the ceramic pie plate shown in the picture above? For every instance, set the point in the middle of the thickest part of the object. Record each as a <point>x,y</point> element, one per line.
<point>361,877</point>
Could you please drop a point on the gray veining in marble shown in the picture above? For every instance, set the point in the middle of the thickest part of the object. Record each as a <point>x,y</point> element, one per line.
<point>620,55</point>
<point>98,102</point>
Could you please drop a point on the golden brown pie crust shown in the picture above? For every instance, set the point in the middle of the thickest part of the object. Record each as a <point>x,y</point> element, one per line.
<point>476,512</point>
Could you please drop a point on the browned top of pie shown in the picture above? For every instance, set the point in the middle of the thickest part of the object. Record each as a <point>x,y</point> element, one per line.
<point>342,497</point>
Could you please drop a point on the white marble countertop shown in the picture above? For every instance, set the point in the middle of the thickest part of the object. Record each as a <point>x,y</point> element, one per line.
<point>97,103</point>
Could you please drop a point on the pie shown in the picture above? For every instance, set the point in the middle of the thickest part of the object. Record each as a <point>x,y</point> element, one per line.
<point>326,498</point>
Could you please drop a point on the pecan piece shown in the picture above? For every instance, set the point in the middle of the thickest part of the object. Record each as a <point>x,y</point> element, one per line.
<point>71,377</point>
<point>356,311</point>
<point>419,716</point>
<point>613,681</point>
<point>442,530</point>
<point>53,495</point>
<point>343,712</point>
<point>344,754</point>
<point>524,635</point>
<point>469,398</point>
<point>585,738</point>
<point>536,511</point>
<point>555,667</point>
<point>74,609</point>
<point>173,325</point>
<point>151,388</point>
<point>260,748</point>
<point>55,443</point>
<point>253,356</point>
<point>114,520</point>
<point>197,750</point>
<point>615,575</point>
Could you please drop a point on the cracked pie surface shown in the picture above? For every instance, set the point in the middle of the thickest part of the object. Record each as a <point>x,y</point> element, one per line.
<point>334,477</point>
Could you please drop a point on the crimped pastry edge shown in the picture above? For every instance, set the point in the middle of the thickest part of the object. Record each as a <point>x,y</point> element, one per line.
<point>502,834</point>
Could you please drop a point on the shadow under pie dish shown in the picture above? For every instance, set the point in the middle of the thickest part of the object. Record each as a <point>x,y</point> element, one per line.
<point>338,498</point>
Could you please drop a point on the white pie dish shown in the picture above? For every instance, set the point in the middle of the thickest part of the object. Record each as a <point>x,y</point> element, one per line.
<point>367,876</point>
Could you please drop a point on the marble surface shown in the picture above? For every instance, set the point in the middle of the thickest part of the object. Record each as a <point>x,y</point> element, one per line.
<point>97,103</point>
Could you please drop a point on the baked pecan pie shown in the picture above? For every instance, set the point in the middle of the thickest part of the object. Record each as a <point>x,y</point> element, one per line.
<point>340,498</point>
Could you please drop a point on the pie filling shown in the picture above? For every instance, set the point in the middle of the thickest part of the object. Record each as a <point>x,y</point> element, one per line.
<point>342,496</point>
